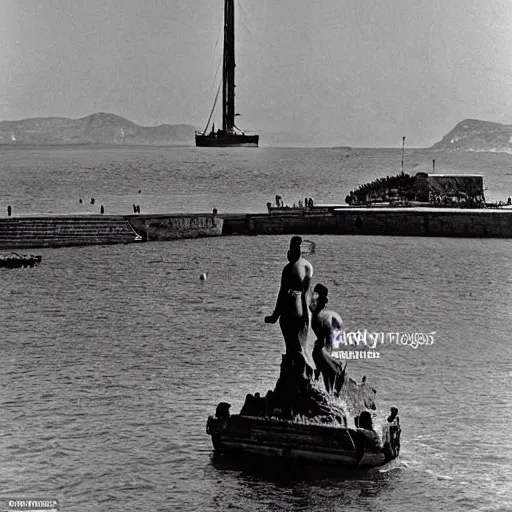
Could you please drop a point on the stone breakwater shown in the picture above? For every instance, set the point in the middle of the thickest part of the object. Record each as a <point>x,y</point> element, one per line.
<point>78,230</point>
<point>171,227</point>
<point>73,230</point>
<point>419,221</point>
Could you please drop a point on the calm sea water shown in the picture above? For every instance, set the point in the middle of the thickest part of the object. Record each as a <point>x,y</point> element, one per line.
<point>53,180</point>
<point>113,357</point>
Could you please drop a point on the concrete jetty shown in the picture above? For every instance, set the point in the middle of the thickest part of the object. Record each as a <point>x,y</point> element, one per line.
<point>399,221</point>
<point>174,226</point>
<point>77,230</point>
<point>74,230</point>
<point>64,230</point>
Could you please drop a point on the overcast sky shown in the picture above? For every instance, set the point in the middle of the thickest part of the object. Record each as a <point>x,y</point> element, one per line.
<point>355,72</point>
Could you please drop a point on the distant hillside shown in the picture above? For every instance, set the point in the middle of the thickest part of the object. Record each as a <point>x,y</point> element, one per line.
<point>94,129</point>
<point>475,135</point>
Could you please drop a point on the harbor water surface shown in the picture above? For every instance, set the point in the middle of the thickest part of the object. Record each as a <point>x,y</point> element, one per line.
<point>113,357</point>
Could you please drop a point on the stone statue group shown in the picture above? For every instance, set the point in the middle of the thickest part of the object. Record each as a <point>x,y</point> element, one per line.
<point>297,308</point>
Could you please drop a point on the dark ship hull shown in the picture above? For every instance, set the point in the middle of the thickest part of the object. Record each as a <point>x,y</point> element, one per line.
<point>222,139</point>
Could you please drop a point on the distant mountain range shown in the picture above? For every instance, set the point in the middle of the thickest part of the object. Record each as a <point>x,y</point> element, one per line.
<point>103,128</point>
<point>475,135</point>
<point>94,129</point>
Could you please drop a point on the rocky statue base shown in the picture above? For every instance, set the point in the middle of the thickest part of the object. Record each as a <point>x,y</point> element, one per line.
<point>296,396</point>
<point>297,422</point>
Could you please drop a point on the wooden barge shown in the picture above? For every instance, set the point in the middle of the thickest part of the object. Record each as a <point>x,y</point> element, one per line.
<point>283,440</point>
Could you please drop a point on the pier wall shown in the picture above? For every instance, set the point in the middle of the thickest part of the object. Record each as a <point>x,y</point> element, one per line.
<point>73,230</point>
<point>373,221</point>
<point>172,227</point>
<point>64,231</point>
<point>281,224</point>
<point>423,222</point>
<point>77,230</point>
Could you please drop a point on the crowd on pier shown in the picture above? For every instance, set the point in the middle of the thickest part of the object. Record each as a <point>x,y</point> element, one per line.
<point>462,190</point>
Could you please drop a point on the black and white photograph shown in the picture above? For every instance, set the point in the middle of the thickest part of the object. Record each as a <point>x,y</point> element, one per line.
<point>256,255</point>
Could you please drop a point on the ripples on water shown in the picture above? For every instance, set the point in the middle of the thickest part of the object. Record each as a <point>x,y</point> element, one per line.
<point>113,357</point>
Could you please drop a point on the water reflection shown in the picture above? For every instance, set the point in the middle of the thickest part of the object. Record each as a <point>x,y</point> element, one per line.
<point>262,481</point>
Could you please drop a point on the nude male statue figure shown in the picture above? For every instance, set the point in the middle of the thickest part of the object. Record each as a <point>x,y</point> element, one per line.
<point>326,325</point>
<point>292,305</point>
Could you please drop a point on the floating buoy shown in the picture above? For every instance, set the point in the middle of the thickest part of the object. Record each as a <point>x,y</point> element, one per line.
<point>203,276</point>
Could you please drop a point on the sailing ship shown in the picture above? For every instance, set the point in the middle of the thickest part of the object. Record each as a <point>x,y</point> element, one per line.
<point>230,135</point>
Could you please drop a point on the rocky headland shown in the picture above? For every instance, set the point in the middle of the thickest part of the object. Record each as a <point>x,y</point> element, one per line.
<point>476,135</point>
<point>101,128</point>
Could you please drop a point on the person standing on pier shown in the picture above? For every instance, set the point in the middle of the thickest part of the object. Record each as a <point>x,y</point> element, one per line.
<point>292,305</point>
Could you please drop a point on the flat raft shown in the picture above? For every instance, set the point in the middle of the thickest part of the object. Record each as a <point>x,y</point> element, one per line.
<point>15,260</point>
<point>307,443</point>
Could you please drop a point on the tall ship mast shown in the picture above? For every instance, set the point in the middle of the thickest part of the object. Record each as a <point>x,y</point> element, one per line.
<point>230,134</point>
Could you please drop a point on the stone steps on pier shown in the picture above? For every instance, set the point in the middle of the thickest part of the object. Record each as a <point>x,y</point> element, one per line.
<point>29,232</point>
